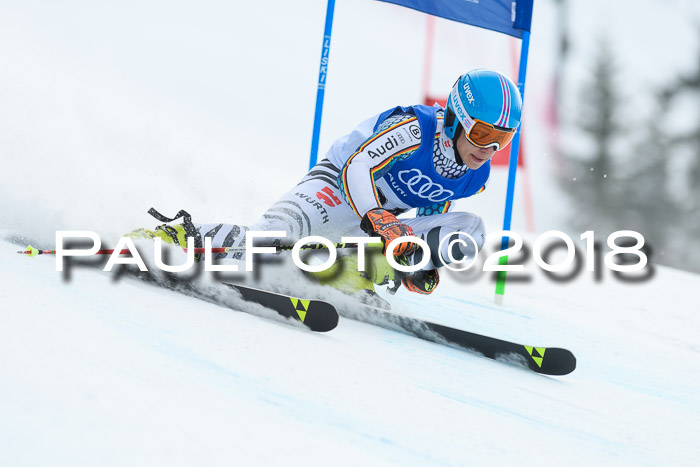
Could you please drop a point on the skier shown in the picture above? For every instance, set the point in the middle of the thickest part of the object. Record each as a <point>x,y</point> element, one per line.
<point>407,157</point>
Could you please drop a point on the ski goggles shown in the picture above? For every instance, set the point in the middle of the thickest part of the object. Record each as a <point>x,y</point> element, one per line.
<point>478,132</point>
<point>485,135</point>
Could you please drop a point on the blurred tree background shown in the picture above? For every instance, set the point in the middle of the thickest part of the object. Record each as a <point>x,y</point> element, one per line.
<point>640,173</point>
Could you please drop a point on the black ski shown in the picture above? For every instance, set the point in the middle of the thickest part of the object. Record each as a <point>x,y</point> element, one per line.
<point>317,315</point>
<point>321,316</point>
<point>544,360</point>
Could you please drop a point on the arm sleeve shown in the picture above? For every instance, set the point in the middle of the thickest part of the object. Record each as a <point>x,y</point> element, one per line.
<point>481,190</point>
<point>390,143</point>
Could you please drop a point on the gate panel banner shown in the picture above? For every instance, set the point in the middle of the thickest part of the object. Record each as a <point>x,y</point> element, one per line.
<point>510,17</point>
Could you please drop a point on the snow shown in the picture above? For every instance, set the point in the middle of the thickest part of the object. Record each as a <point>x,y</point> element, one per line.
<point>107,112</point>
<point>97,370</point>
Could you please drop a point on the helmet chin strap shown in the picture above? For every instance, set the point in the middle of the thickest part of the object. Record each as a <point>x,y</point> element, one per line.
<point>450,150</point>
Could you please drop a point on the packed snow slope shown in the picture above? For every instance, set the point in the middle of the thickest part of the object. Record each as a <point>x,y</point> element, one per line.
<point>110,108</point>
<point>96,370</point>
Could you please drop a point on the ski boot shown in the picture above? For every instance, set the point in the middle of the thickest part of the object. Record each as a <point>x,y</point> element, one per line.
<point>344,276</point>
<point>176,234</point>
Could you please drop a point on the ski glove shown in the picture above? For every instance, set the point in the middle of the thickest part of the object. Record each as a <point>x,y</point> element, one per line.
<point>422,282</point>
<point>381,222</point>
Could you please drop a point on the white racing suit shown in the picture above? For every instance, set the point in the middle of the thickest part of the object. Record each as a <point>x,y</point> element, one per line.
<point>397,160</point>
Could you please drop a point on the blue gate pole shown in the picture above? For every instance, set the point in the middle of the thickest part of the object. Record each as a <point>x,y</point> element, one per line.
<point>512,168</point>
<point>323,70</point>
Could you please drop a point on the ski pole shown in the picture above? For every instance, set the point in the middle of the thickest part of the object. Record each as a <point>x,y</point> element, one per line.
<point>31,251</point>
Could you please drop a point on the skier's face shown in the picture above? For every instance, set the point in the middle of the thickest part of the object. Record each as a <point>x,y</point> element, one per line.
<point>472,156</point>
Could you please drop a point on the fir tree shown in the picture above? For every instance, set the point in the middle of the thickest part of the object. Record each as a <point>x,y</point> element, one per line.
<point>651,208</point>
<point>590,178</point>
<point>687,88</point>
<point>611,191</point>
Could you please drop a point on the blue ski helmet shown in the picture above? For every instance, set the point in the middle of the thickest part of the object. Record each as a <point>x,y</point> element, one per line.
<point>484,95</point>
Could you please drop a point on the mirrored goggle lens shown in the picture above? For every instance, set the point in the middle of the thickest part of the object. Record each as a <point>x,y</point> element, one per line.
<point>484,135</point>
